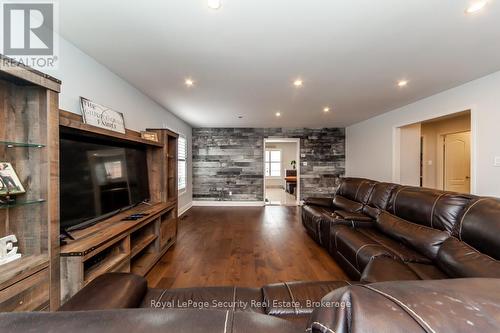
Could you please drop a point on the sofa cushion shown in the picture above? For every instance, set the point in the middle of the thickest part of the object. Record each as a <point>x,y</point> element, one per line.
<point>365,191</point>
<point>103,294</point>
<point>145,320</point>
<point>480,226</point>
<point>459,305</point>
<point>322,201</point>
<point>421,238</point>
<point>427,271</point>
<point>342,203</point>
<point>381,269</point>
<point>353,216</point>
<point>296,298</point>
<point>397,249</point>
<point>349,187</point>
<point>225,298</point>
<point>431,208</point>
<point>355,247</point>
<point>458,259</point>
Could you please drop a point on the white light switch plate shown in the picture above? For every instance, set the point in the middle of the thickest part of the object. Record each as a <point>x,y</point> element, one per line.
<point>304,163</point>
<point>497,161</point>
<point>302,155</point>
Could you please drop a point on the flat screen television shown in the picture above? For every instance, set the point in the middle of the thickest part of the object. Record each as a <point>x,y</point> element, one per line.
<point>98,178</point>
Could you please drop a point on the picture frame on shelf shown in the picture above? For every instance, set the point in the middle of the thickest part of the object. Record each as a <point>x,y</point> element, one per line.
<point>9,181</point>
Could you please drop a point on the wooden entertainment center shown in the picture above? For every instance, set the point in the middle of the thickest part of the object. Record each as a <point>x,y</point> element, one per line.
<point>48,273</point>
<point>117,245</point>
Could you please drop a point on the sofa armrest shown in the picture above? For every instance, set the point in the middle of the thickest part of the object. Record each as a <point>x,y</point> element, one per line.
<point>109,291</point>
<point>322,201</point>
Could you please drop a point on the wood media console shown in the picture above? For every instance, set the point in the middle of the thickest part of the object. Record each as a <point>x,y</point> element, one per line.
<point>115,244</point>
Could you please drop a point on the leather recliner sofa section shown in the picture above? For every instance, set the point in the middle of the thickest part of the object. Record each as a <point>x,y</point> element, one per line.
<point>293,301</point>
<point>385,232</point>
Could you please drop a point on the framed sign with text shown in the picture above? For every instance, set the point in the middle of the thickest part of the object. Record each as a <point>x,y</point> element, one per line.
<point>100,116</point>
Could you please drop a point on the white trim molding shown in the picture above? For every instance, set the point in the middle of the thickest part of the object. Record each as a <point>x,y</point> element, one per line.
<point>228,203</point>
<point>184,208</point>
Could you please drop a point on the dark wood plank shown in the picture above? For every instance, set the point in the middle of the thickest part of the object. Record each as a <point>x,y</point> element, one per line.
<point>247,247</point>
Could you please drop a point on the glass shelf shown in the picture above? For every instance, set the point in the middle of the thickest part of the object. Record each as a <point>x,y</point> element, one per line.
<point>21,203</point>
<point>10,144</point>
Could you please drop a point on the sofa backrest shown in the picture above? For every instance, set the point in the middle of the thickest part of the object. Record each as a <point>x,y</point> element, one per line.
<point>379,198</point>
<point>356,189</point>
<point>479,226</point>
<point>432,208</point>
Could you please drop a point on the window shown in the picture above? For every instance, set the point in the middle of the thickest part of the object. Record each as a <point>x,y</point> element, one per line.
<point>182,164</point>
<point>273,163</point>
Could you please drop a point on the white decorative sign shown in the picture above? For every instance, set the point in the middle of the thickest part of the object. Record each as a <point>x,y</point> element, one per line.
<point>101,116</point>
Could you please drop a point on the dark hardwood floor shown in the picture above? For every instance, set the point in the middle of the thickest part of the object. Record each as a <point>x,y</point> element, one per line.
<point>242,246</point>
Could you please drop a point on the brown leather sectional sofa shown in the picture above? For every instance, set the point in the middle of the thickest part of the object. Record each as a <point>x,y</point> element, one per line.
<point>387,232</point>
<point>425,261</point>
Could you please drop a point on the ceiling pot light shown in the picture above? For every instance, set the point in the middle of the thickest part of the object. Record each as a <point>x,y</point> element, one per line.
<point>189,82</point>
<point>298,83</point>
<point>214,4</point>
<point>402,83</point>
<point>278,114</point>
<point>476,6</point>
<point>326,109</point>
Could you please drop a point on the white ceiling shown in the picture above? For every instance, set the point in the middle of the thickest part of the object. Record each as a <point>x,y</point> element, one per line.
<point>245,56</point>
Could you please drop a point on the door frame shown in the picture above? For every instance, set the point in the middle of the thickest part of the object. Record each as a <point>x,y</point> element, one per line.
<point>297,159</point>
<point>441,165</point>
<point>396,143</point>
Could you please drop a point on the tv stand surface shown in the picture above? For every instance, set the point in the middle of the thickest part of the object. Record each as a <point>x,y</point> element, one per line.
<point>114,245</point>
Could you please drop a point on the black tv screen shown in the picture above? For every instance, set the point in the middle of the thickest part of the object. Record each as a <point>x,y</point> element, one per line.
<point>98,178</point>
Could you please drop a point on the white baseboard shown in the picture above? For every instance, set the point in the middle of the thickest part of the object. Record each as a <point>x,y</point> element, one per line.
<point>229,203</point>
<point>184,209</point>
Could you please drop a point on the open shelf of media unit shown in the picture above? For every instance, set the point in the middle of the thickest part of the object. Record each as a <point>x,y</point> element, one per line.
<point>117,245</point>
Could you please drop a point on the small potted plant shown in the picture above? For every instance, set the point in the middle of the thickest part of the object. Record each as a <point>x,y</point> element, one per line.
<point>293,164</point>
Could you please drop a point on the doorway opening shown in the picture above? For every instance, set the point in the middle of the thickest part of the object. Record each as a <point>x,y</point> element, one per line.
<point>281,171</point>
<point>436,153</point>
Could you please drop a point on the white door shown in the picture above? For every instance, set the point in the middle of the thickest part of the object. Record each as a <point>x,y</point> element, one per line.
<point>457,162</point>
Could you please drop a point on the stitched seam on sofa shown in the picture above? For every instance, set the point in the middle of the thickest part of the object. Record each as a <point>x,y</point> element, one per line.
<point>357,191</point>
<point>434,207</point>
<point>465,214</point>
<point>340,254</point>
<point>161,295</point>
<point>291,296</point>
<point>405,307</point>
<point>420,225</point>
<point>357,252</point>
<point>396,199</point>
<point>234,299</point>
<point>390,248</point>
<point>475,250</point>
<point>328,329</point>
<point>370,195</point>
<point>225,321</point>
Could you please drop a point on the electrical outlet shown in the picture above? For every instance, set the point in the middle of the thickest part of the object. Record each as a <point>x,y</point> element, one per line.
<point>497,161</point>
<point>230,193</point>
<point>304,163</point>
<point>302,155</point>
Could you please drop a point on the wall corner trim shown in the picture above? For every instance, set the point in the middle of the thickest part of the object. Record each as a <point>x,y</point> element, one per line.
<point>184,208</point>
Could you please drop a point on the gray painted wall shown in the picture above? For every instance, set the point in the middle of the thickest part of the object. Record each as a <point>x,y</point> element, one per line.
<point>231,159</point>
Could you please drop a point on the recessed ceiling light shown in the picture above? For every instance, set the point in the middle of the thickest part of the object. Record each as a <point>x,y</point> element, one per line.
<point>402,83</point>
<point>214,4</point>
<point>326,109</point>
<point>240,117</point>
<point>298,83</point>
<point>189,82</point>
<point>278,114</point>
<point>476,6</point>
